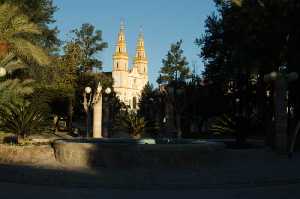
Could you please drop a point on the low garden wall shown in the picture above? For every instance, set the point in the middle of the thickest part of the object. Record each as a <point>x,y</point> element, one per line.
<point>33,155</point>
<point>120,153</point>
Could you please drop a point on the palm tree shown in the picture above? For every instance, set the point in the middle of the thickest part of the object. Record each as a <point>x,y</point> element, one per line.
<point>16,33</point>
<point>17,50</point>
<point>131,123</point>
<point>21,119</point>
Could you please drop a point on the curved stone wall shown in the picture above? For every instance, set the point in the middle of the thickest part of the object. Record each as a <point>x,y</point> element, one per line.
<point>126,153</point>
<point>33,155</point>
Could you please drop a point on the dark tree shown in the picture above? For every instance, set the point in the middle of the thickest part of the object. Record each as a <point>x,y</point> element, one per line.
<point>91,43</point>
<point>247,39</point>
<point>175,65</point>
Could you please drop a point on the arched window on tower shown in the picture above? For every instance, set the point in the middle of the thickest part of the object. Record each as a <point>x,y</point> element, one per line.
<point>117,64</point>
<point>134,102</point>
<point>134,83</point>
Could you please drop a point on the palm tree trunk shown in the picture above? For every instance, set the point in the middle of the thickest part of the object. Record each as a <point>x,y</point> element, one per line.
<point>294,138</point>
<point>178,126</point>
<point>70,113</point>
<point>3,49</point>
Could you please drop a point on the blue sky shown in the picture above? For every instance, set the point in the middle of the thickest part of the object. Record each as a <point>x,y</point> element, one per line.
<point>163,21</point>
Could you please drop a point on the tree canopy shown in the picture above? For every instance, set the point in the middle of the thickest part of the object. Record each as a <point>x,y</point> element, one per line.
<point>90,42</point>
<point>256,36</point>
<point>41,13</point>
<point>175,65</point>
<point>15,30</point>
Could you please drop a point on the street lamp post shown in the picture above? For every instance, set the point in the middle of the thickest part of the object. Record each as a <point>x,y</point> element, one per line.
<point>97,119</point>
<point>95,102</point>
<point>87,107</point>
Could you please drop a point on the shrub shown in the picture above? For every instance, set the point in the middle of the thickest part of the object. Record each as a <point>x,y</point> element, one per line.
<point>133,124</point>
<point>21,118</point>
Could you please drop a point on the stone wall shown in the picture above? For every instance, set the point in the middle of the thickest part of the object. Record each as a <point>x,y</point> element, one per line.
<point>134,155</point>
<point>33,155</point>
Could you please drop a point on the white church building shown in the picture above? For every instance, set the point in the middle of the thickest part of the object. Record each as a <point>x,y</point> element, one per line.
<point>129,81</point>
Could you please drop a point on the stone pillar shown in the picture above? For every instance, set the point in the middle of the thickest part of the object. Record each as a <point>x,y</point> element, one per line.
<point>105,118</point>
<point>280,103</point>
<point>170,119</point>
<point>97,119</point>
<point>281,117</point>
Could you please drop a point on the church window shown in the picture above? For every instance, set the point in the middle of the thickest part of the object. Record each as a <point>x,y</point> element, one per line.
<point>134,102</point>
<point>119,50</point>
<point>117,64</point>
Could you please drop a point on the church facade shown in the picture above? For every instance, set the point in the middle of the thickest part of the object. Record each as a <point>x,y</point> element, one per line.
<point>129,81</point>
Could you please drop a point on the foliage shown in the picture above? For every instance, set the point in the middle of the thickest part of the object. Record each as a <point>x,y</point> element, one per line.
<point>247,39</point>
<point>129,121</point>
<point>15,90</point>
<point>21,119</point>
<point>250,36</point>
<point>174,65</point>
<point>56,84</point>
<point>146,101</point>
<point>90,42</point>
<point>15,30</point>
<point>152,108</point>
<point>40,12</point>
<point>224,124</point>
<point>237,125</point>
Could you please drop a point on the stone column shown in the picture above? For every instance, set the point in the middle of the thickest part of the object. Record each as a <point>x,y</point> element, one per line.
<point>97,119</point>
<point>280,104</point>
<point>281,117</point>
<point>170,123</point>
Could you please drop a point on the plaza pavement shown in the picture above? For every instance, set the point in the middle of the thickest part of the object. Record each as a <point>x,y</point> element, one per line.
<point>16,191</point>
<point>255,174</point>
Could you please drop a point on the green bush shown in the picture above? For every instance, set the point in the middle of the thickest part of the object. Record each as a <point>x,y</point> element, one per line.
<point>130,122</point>
<point>21,119</point>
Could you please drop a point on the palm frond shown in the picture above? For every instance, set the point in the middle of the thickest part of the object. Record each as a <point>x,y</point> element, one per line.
<point>15,90</point>
<point>224,125</point>
<point>6,59</point>
<point>20,118</point>
<point>15,30</point>
<point>11,63</point>
<point>29,52</point>
<point>21,25</point>
<point>131,123</point>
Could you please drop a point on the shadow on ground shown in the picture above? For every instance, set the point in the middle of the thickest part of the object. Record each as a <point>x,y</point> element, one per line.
<point>251,172</point>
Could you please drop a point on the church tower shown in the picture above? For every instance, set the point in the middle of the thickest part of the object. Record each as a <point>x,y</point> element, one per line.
<point>129,81</point>
<point>140,60</point>
<point>120,65</point>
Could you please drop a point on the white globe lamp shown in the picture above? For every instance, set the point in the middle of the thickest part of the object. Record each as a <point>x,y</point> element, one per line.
<point>2,72</point>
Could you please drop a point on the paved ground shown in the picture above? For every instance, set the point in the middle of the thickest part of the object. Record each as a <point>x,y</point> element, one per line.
<point>16,191</point>
<point>254,174</point>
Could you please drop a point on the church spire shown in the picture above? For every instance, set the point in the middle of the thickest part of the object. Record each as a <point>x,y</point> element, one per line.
<point>140,54</point>
<point>120,57</point>
<point>121,43</point>
<point>140,60</point>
